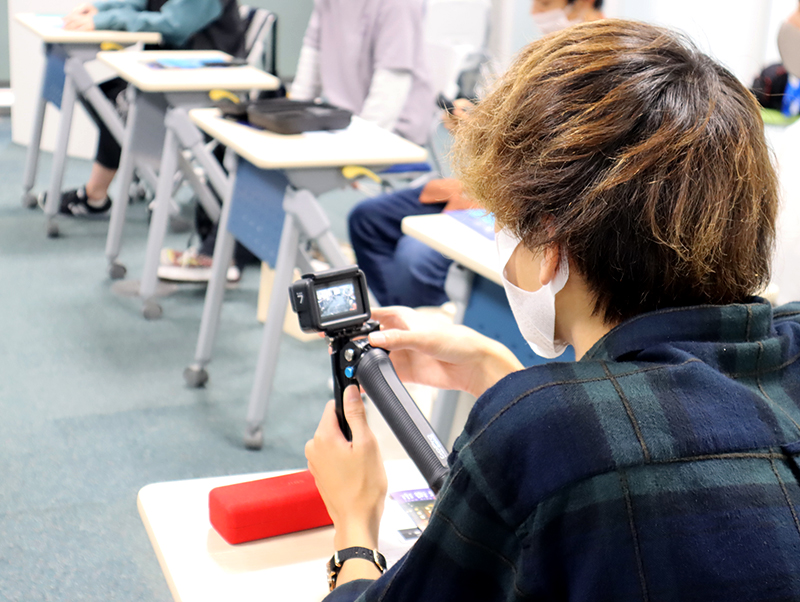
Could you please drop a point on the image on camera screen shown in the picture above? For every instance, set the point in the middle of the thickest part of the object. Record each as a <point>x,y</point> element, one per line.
<point>337,300</point>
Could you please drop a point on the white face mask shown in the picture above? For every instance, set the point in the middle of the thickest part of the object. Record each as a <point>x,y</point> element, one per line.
<point>551,20</point>
<point>534,312</point>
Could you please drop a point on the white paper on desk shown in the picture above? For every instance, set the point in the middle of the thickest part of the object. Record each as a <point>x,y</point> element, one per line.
<point>54,21</point>
<point>404,518</point>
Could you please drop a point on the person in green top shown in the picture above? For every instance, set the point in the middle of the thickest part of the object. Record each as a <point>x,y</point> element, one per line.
<point>183,24</point>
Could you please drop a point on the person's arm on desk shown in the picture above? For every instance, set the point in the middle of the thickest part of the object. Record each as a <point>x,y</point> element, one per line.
<point>81,18</point>
<point>176,21</point>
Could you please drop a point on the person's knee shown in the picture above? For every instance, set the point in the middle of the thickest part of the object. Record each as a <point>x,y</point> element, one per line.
<point>418,275</point>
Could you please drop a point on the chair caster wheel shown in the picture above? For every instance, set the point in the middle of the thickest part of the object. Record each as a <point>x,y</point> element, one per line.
<point>195,377</point>
<point>152,310</point>
<point>253,437</point>
<point>29,200</point>
<point>52,230</point>
<point>117,271</point>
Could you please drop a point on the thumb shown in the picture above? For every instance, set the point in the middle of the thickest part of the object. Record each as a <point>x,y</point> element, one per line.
<point>354,410</point>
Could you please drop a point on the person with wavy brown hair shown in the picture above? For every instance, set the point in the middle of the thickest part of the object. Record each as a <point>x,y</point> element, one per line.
<point>635,203</point>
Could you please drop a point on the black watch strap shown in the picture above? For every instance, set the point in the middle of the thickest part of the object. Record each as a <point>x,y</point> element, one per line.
<point>339,558</point>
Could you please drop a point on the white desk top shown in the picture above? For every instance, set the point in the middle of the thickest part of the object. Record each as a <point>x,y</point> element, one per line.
<point>135,67</point>
<point>456,240</point>
<point>363,143</point>
<point>48,27</point>
<point>200,566</point>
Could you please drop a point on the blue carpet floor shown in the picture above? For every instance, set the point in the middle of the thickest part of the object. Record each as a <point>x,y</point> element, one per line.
<point>93,405</point>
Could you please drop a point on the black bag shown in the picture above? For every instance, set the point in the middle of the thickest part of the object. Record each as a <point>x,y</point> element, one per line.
<point>285,116</point>
<point>770,85</point>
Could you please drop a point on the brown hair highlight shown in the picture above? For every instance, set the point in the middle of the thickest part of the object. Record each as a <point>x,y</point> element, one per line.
<point>645,158</point>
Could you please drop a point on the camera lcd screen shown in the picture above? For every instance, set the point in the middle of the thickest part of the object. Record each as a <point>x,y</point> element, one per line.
<point>337,301</point>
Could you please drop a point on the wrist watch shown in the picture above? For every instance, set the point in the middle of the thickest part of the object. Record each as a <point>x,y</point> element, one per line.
<point>338,559</point>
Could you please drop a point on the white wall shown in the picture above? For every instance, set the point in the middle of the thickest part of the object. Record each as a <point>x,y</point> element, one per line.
<point>739,33</point>
<point>733,31</point>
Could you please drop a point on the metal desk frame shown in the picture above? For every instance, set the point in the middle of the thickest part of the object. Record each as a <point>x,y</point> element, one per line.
<point>78,82</point>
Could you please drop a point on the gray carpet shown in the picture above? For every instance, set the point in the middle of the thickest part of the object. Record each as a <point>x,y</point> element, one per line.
<point>93,405</point>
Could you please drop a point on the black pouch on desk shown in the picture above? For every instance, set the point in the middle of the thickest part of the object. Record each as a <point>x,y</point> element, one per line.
<point>285,116</point>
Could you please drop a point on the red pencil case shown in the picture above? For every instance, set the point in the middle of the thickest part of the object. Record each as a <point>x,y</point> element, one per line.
<point>267,507</point>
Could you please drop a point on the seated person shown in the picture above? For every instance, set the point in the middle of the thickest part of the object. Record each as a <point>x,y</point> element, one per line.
<point>635,202</point>
<point>402,270</point>
<point>378,73</point>
<point>184,24</point>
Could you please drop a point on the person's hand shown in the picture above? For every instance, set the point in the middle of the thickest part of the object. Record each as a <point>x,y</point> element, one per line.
<point>461,108</point>
<point>83,9</point>
<point>79,22</point>
<point>434,353</point>
<point>349,474</point>
<point>448,191</point>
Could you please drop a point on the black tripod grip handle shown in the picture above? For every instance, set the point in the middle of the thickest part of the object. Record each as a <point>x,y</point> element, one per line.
<point>375,373</point>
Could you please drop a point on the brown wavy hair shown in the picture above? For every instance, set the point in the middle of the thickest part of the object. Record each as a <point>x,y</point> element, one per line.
<point>645,158</point>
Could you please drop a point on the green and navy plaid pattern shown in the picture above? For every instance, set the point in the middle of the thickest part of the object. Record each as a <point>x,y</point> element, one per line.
<point>665,465</point>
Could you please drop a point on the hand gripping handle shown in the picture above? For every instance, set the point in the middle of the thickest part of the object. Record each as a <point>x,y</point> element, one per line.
<point>375,373</point>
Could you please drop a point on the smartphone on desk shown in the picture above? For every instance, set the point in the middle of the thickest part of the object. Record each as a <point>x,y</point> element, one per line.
<point>234,62</point>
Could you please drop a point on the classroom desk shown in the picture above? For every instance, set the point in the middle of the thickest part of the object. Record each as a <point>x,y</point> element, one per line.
<point>67,53</point>
<point>158,126</point>
<point>200,566</point>
<point>474,285</point>
<point>457,241</point>
<point>272,209</point>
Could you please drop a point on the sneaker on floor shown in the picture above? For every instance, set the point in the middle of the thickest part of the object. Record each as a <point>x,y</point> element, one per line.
<point>190,266</point>
<point>76,203</point>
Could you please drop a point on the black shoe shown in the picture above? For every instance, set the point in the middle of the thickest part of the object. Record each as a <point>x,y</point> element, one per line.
<point>75,203</point>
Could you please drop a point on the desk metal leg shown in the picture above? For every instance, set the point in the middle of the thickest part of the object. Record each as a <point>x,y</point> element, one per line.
<point>303,214</point>
<point>458,287</point>
<point>84,83</point>
<point>32,157</point>
<point>59,158</point>
<point>158,227</point>
<point>273,328</point>
<point>178,120</point>
<point>120,205</point>
<point>196,374</point>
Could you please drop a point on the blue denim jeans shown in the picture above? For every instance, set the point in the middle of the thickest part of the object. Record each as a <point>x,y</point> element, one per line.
<point>400,270</point>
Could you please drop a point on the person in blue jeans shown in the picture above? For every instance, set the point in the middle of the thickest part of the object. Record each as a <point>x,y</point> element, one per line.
<point>400,270</point>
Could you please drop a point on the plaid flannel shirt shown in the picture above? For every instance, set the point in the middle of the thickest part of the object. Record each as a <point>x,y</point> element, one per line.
<point>665,465</point>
